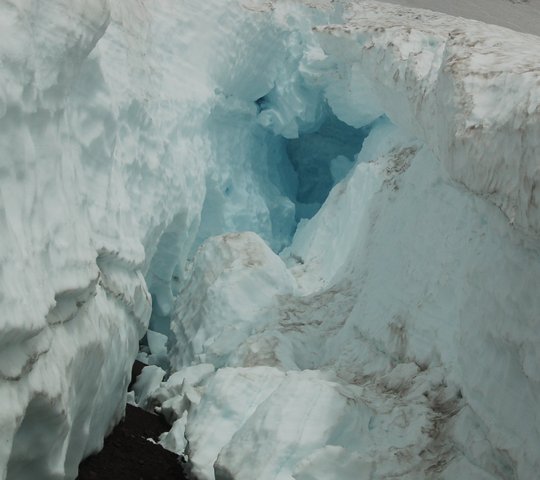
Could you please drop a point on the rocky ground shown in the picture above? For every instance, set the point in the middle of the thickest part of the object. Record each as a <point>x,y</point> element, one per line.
<point>129,455</point>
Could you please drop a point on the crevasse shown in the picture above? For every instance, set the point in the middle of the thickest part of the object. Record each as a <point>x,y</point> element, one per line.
<point>329,207</point>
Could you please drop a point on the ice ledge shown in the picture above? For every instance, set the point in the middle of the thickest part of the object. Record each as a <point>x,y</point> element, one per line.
<point>470,90</point>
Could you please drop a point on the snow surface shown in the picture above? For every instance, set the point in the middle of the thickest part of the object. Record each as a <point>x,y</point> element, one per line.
<point>154,169</point>
<point>519,15</point>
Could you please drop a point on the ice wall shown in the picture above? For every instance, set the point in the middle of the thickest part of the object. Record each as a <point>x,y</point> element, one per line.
<point>397,334</point>
<point>122,123</point>
<point>103,181</point>
<point>406,345</point>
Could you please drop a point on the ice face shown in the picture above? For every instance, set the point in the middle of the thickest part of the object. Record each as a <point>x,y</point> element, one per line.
<point>394,294</point>
<point>321,159</point>
<point>156,157</point>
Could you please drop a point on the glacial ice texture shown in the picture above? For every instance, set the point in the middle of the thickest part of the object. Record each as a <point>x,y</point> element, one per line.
<point>331,209</point>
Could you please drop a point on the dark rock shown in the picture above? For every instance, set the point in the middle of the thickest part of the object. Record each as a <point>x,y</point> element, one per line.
<point>128,455</point>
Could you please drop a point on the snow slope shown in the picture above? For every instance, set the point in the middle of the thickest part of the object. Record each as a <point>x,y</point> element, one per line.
<point>396,335</point>
<point>520,15</point>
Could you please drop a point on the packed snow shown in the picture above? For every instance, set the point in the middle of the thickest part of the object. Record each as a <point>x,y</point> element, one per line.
<point>326,211</point>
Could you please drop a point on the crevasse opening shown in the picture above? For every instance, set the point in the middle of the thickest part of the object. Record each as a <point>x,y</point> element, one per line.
<point>276,143</point>
<point>320,156</point>
<point>269,183</point>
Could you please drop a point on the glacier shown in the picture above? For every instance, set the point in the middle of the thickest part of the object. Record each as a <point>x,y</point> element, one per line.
<point>322,216</point>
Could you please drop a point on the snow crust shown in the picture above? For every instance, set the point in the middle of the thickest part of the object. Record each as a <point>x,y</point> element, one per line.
<point>154,164</point>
